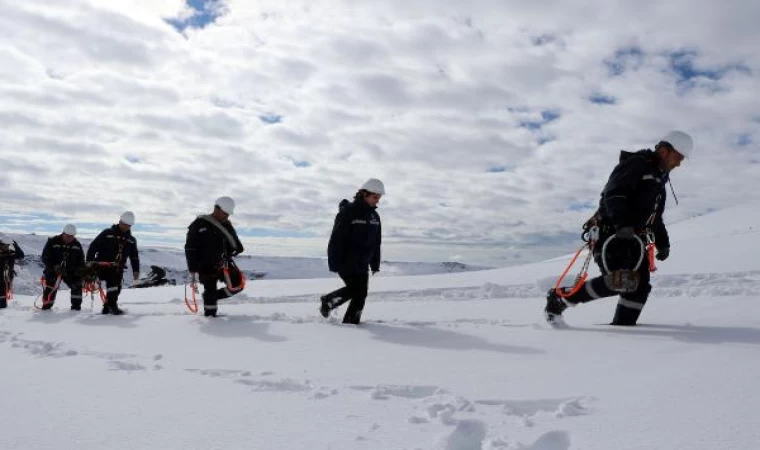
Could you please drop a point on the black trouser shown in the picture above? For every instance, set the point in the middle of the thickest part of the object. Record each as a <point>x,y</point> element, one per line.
<point>621,254</point>
<point>113,278</point>
<point>354,291</point>
<point>49,294</point>
<point>3,295</point>
<point>210,292</point>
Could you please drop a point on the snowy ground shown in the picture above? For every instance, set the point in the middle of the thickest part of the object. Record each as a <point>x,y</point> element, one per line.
<point>461,361</point>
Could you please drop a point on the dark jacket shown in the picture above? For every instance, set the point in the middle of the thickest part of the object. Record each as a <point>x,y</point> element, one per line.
<point>207,247</point>
<point>8,260</point>
<point>355,241</point>
<point>112,245</point>
<point>59,253</point>
<point>635,195</point>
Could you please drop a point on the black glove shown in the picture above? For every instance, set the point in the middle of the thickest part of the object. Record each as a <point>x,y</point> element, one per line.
<point>624,232</point>
<point>663,253</point>
<point>60,270</point>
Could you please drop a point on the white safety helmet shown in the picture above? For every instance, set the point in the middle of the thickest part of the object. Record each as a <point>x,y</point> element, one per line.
<point>226,204</point>
<point>682,142</point>
<point>374,186</point>
<point>128,218</point>
<point>7,240</point>
<point>70,229</point>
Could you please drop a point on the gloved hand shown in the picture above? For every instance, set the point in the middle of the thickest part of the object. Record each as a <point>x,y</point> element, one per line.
<point>625,232</point>
<point>59,270</point>
<point>663,253</point>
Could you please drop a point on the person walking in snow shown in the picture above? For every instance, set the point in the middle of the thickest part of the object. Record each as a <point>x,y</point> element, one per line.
<point>63,256</point>
<point>109,253</point>
<point>210,245</point>
<point>630,211</point>
<point>353,249</point>
<point>10,252</point>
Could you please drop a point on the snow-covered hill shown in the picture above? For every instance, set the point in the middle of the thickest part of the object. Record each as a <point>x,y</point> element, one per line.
<point>449,361</point>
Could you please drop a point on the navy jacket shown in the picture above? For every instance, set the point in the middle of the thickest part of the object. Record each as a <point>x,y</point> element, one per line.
<point>57,252</point>
<point>635,195</point>
<point>112,245</point>
<point>355,241</point>
<point>207,247</point>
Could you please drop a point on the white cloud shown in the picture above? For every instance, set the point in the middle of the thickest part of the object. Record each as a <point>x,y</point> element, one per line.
<point>105,107</point>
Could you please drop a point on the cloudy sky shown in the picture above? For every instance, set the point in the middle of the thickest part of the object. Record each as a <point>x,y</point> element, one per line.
<point>494,124</point>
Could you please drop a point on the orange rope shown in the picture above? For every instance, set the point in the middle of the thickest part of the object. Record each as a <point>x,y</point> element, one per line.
<point>228,280</point>
<point>194,306</point>
<point>49,299</point>
<point>592,234</point>
<point>92,287</point>
<point>562,292</point>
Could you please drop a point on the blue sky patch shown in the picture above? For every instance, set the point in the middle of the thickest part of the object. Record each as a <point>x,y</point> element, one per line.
<point>204,12</point>
<point>744,140</point>
<point>624,59</point>
<point>581,206</point>
<point>684,65</point>
<point>601,99</point>
<point>271,119</point>
<point>546,117</point>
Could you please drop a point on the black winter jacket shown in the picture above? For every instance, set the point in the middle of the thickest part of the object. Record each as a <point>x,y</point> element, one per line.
<point>112,245</point>
<point>207,247</point>
<point>635,195</point>
<point>355,241</point>
<point>59,253</point>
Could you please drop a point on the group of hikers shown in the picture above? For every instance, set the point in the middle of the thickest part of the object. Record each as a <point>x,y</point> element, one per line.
<point>630,213</point>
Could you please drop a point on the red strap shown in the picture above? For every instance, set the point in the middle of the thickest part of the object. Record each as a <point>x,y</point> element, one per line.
<point>650,254</point>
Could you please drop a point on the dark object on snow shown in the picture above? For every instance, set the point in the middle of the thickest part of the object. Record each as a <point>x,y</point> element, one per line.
<point>156,277</point>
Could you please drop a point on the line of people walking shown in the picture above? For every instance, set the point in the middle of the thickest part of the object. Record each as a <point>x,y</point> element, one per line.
<point>630,210</point>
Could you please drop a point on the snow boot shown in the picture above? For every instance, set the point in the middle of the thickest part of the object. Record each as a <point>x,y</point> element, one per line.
<point>326,306</point>
<point>555,306</point>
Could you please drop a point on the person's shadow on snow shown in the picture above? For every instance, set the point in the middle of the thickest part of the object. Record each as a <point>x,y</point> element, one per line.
<point>697,334</point>
<point>239,327</point>
<point>106,320</point>
<point>52,316</point>
<point>437,338</point>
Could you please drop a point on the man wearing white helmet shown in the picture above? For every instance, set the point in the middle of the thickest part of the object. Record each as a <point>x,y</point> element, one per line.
<point>109,251</point>
<point>210,245</point>
<point>9,253</point>
<point>629,215</point>
<point>354,249</point>
<point>63,256</point>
